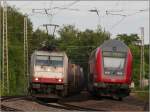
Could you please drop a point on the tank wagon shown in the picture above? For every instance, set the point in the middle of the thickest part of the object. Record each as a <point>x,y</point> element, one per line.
<point>110,67</point>
<point>53,75</point>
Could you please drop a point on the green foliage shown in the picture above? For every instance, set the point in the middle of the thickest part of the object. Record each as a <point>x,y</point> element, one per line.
<point>128,39</point>
<point>38,39</point>
<point>17,79</point>
<point>79,44</point>
<point>144,94</point>
<point>131,41</point>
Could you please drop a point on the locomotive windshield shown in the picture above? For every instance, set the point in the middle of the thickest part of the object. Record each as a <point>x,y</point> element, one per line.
<point>114,63</point>
<point>111,62</point>
<point>56,61</point>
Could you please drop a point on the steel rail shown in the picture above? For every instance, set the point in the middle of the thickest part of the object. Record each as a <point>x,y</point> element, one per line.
<point>65,106</point>
<point>6,108</point>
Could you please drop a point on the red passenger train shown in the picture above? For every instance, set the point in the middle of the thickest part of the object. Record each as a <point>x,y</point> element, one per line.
<point>110,68</point>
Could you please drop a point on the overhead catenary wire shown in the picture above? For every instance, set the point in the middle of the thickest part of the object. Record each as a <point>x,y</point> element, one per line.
<point>117,23</point>
<point>139,11</point>
<point>67,6</point>
<point>51,16</point>
<point>108,13</point>
<point>63,8</point>
<point>70,4</point>
<point>112,12</point>
<point>48,14</point>
<point>125,16</point>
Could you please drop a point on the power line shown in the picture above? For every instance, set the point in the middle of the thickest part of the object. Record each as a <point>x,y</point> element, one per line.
<point>71,4</point>
<point>137,12</point>
<point>68,5</point>
<point>117,23</point>
<point>63,8</point>
<point>124,16</point>
<point>99,16</point>
<point>46,11</point>
<point>108,13</point>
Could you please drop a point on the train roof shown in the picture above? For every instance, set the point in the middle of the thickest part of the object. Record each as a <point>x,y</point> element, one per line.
<point>111,45</point>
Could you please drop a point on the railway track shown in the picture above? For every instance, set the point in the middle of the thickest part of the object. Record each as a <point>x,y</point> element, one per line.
<point>6,108</point>
<point>78,107</point>
<point>9,98</point>
<point>75,103</point>
<point>65,106</point>
<point>5,98</point>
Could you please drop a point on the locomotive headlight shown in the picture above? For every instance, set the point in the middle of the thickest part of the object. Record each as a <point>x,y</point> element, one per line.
<point>48,69</point>
<point>119,73</point>
<point>36,79</point>
<point>95,84</point>
<point>107,72</point>
<point>59,80</point>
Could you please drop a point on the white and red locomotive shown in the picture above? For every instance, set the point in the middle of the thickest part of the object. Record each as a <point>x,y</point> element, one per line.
<point>53,75</point>
<point>110,67</point>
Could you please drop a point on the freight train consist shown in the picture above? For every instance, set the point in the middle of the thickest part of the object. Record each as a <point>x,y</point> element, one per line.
<point>52,74</point>
<point>110,67</point>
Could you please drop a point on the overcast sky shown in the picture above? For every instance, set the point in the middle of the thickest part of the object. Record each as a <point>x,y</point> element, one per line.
<point>122,17</point>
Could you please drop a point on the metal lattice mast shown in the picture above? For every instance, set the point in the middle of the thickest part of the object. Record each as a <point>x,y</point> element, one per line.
<point>141,65</point>
<point>0,49</point>
<point>142,69</point>
<point>5,74</point>
<point>142,32</point>
<point>26,69</point>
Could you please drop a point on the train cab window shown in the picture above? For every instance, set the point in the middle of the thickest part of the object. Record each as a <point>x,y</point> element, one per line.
<point>49,61</point>
<point>56,61</point>
<point>114,62</point>
<point>113,65</point>
<point>42,60</point>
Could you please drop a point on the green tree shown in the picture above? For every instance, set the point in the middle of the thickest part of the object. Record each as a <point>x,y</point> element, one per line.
<point>15,50</point>
<point>39,39</point>
<point>132,42</point>
<point>128,39</point>
<point>79,44</point>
